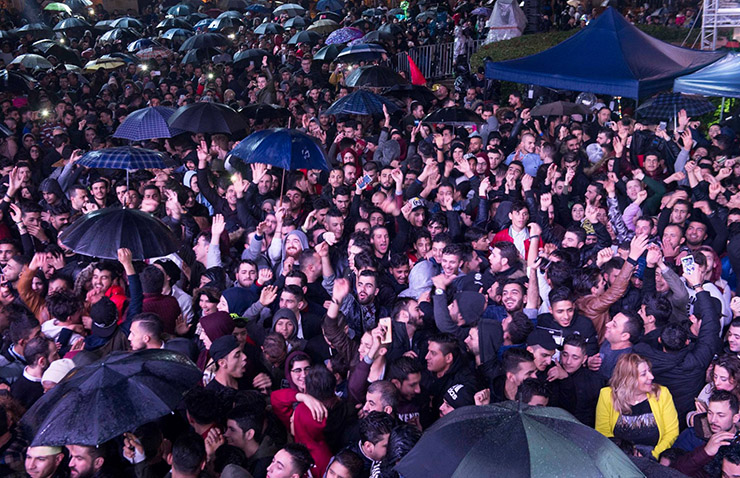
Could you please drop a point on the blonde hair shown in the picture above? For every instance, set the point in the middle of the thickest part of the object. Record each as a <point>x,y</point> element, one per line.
<point>624,382</point>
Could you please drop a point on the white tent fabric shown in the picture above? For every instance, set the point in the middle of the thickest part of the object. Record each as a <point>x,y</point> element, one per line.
<point>507,21</point>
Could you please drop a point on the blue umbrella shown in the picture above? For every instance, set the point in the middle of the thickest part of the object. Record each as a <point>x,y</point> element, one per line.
<point>178,34</point>
<point>361,102</point>
<point>284,148</point>
<point>147,123</point>
<point>125,157</point>
<point>202,24</point>
<point>140,44</point>
<point>344,35</point>
<point>332,5</point>
<point>179,10</point>
<point>258,9</point>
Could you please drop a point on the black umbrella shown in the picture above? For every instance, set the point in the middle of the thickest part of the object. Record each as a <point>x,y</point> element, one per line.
<point>260,111</point>
<point>206,117</point>
<point>72,24</point>
<point>205,40</point>
<point>376,36</point>
<point>197,56</point>
<point>422,94</point>
<point>329,16</point>
<point>101,233</point>
<point>36,30</point>
<point>474,441</point>
<point>16,82</point>
<point>64,54</point>
<point>100,401</point>
<point>242,58</point>
<point>225,24</point>
<point>173,22</point>
<point>328,52</point>
<point>268,29</point>
<point>305,37</point>
<point>454,116</point>
<point>559,108</point>
<point>374,76</point>
<point>295,22</point>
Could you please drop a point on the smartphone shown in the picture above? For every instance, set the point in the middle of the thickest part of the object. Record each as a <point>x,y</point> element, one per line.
<point>688,264</point>
<point>385,325</point>
<point>364,181</point>
<point>609,124</point>
<point>663,125</point>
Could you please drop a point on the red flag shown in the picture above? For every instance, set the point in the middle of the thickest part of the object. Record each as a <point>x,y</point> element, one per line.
<point>417,78</point>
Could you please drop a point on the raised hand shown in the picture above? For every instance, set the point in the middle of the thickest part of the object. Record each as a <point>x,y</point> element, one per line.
<point>264,275</point>
<point>217,227</point>
<point>341,290</point>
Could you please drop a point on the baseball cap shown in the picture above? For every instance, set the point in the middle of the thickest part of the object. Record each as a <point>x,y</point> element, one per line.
<point>104,315</point>
<point>223,346</point>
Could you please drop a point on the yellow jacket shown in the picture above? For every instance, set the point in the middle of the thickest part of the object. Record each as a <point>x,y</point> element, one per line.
<point>663,410</point>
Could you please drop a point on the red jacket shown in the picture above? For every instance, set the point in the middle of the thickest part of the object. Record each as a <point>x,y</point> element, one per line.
<point>504,236</point>
<point>306,430</point>
<point>118,295</point>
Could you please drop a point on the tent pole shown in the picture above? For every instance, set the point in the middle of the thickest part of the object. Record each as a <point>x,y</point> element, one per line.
<point>722,110</point>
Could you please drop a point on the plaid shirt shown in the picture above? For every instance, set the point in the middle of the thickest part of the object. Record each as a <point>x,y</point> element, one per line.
<point>13,454</point>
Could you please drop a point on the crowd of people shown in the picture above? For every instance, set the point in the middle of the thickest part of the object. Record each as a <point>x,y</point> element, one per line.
<point>585,262</point>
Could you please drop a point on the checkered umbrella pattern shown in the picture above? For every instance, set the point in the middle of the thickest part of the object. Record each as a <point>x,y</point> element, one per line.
<point>125,157</point>
<point>361,102</point>
<point>147,123</point>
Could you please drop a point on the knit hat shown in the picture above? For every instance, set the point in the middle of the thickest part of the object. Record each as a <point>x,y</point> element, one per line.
<point>223,346</point>
<point>57,370</point>
<point>542,338</point>
<point>217,325</point>
<point>239,299</point>
<point>459,395</point>
<point>104,316</point>
<point>471,305</point>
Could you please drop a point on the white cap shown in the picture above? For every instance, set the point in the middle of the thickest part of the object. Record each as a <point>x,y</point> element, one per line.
<point>57,370</point>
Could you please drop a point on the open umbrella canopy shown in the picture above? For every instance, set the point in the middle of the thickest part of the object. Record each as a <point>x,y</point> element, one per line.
<point>344,35</point>
<point>101,233</point>
<point>323,27</point>
<point>481,12</point>
<point>128,22</point>
<point>258,9</point>
<point>268,29</point>
<point>361,102</point>
<point>202,24</point>
<point>204,40</point>
<point>16,82</point>
<point>667,105</point>
<point>422,94</point>
<point>58,7</point>
<point>177,34</point>
<point>328,15</point>
<point>295,22</point>
<point>328,52</point>
<point>171,22</point>
<point>104,64</point>
<point>197,56</point>
<point>559,108</point>
<point>244,57</point>
<point>125,35</point>
<point>224,24</point>
<point>363,52</point>
<point>154,52</point>
<point>290,9</point>
<point>104,25</point>
<point>284,148</point>
<point>532,442</point>
<point>31,61</point>
<point>179,10</point>
<point>51,48</point>
<point>364,24</point>
<point>331,5</point>
<point>71,23</point>
<point>141,44</point>
<point>453,116</point>
<point>116,394</point>
<point>206,117</point>
<point>36,30</point>
<point>78,5</point>
<point>147,123</point>
<point>374,76</point>
<point>305,37</point>
<point>230,14</point>
<point>423,17</point>
<point>125,157</point>
<point>376,36</point>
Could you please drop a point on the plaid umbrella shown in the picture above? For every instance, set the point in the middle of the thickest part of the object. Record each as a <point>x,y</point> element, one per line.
<point>141,44</point>
<point>361,102</point>
<point>375,76</point>
<point>518,442</point>
<point>58,7</point>
<point>168,23</point>
<point>295,22</point>
<point>125,157</point>
<point>290,9</point>
<point>454,116</point>
<point>16,82</point>
<point>180,10</point>
<point>332,5</point>
<point>72,23</point>
<point>305,37</point>
<point>154,52</point>
<point>128,22</point>
<point>323,27</point>
<point>205,117</point>
<point>211,40</point>
<point>667,105</point>
<point>177,34</point>
<point>329,52</point>
<point>363,52</point>
<point>268,29</point>
<point>344,35</point>
<point>32,61</point>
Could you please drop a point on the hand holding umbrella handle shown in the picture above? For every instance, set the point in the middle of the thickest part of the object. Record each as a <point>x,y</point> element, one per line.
<point>126,259</point>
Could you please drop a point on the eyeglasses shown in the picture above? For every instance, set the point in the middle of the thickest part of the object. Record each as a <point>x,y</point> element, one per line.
<point>301,370</point>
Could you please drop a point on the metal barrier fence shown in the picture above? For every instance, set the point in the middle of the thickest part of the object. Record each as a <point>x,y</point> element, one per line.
<point>435,61</point>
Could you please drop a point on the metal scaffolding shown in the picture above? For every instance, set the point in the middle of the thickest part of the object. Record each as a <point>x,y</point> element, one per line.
<point>717,14</point>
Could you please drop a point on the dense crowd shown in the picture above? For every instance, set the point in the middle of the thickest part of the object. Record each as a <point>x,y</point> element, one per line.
<point>585,262</point>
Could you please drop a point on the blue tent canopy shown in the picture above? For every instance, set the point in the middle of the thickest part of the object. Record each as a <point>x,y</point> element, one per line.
<point>721,78</point>
<point>610,56</point>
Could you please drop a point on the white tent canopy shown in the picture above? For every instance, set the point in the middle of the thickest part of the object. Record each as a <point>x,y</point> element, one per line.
<point>507,21</point>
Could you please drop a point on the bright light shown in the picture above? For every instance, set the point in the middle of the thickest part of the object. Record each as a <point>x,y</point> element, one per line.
<point>91,11</point>
<point>144,67</point>
<point>231,36</point>
<point>44,113</point>
<point>61,40</point>
<point>210,76</point>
